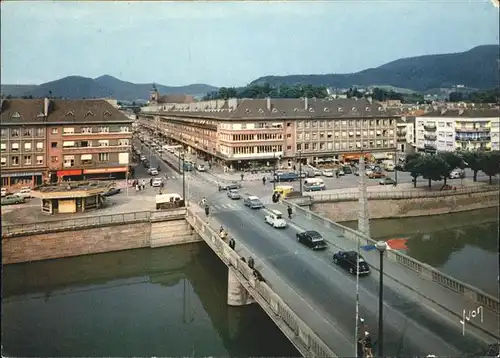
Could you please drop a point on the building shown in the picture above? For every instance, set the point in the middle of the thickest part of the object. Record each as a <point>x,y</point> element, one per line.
<point>244,132</point>
<point>472,128</point>
<point>54,139</point>
<point>405,134</point>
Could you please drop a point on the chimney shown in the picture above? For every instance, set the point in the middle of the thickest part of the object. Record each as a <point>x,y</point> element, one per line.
<point>306,105</point>
<point>46,103</point>
<point>268,103</point>
<point>369,99</point>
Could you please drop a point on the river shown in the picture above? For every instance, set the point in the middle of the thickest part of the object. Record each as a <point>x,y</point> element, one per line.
<point>463,245</point>
<point>146,302</point>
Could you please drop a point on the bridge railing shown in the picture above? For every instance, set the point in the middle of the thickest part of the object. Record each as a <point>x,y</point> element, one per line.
<point>423,270</point>
<point>91,221</point>
<point>304,338</point>
<point>353,194</point>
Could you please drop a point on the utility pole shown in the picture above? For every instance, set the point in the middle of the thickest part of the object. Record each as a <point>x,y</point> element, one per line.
<point>300,171</point>
<point>363,214</point>
<point>274,170</point>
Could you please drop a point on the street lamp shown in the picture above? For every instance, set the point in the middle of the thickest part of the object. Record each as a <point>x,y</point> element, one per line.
<point>274,170</point>
<point>381,247</point>
<point>183,180</point>
<point>300,171</point>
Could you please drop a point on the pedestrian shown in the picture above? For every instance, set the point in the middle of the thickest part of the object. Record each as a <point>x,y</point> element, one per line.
<point>367,345</point>
<point>162,185</point>
<point>289,209</point>
<point>136,187</point>
<point>264,180</point>
<point>242,176</point>
<point>151,182</point>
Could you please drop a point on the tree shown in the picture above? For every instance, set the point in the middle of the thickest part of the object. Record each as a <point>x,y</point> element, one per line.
<point>432,168</point>
<point>472,160</point>
<point>452,161</point>
<point>490,164</point>
<point>413,166</point>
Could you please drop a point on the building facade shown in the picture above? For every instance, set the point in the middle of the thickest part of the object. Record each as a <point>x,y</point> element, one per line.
<point>54,140</point>
<point>458,129</point>
<point>244,131</point>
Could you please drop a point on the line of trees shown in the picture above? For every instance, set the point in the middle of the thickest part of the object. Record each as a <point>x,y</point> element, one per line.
<point>438,167</point>
<point>265,90</point>
<point>487,96</point>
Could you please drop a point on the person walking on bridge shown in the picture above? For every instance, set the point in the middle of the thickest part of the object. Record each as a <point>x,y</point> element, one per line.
<point>289,209</point>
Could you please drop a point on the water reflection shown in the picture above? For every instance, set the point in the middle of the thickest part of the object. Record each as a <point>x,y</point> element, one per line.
<point>462,245</point>
<point>161,302</point>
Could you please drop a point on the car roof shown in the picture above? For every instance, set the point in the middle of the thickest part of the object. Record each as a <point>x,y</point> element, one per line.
<point>312,232</point>
<point>253,198</point>
<point>276,212</point>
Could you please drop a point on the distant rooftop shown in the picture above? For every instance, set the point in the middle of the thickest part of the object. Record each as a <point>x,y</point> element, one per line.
<point>73,186</point>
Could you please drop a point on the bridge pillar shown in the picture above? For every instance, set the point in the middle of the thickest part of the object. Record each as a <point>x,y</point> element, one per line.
<point>237,295</point>
<point>363,212</point>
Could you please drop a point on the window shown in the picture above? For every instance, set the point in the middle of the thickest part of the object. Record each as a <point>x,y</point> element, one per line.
<point>103,143</point>
<point>39,159</point>
<point>28,132</point>
<point>14,160</point>
<point>40,132</point>
<point>40,115</point>
<point>70,113</point>
<point>3,147</point>
<point>103,157</point>
<point>54,159</point>
<point>16,115</point>
<point>3,132</point>
<point>4,161</point>
<point>14,132</point>
<point>39,146</point>
<point>103,129</point>
<point>86,129</point>
<point>27,160</point>
<point>15,147</point>
<point>86,159</point>
<point>68,144</point>
<point>69,161</point>
<point>27,146</point>
<point>53,145</point>
<point>123,158</point>
<point>68,130</point>
<point>106,113</point>
<point>54,131</point>
<point>123,142</point>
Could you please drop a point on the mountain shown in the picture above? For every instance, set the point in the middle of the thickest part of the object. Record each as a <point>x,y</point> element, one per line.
<point>74,87</point>
<point>477,68</point>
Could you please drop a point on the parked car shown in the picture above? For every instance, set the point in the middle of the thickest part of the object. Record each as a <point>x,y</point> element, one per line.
<point>200,168</point>
<point>348,260</point>
<point>312,239</point>
<point>24,193</point>
<point>233,194</point>
<point>152,171</point>
<point>275,219</point>
<point>111,192</point>
<point>157,182</point>
<point>12,200</point>
<point>230,186</point>
<point>328,173</point>
<point>376,175</point>
<point>387,181</point>
<point>457,174</point>
<point>253,202</point>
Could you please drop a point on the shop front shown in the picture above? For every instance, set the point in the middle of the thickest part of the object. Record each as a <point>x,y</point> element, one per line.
<point>69,175</point>
<point>21,179</point>
<point>354,157</point>
<point>106,173</point>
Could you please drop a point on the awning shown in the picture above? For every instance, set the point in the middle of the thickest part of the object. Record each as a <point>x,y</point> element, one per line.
<point>69,144</point>
<point>5,175</point>
<point>104,170</point>
<point>61,173</point>
<point>379,156</point>
<point>86,157</point>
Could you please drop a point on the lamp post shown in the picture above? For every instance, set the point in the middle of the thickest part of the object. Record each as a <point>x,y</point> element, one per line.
<point>274,170</point>
<point>183,180</point>
<point>396,162</point>
<point>300,171</point>
<point>381,247</point>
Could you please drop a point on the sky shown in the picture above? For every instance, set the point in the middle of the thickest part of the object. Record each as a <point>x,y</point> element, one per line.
<point>230,43</point>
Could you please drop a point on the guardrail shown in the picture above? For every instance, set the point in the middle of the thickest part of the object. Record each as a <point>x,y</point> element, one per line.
<point>92,221</point>
<point>303,337</point>
<point>425,271</point>
<point>351,195</point>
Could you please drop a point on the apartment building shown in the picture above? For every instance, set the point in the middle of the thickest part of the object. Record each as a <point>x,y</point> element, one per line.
<point>53,140</point>
<point>237,132</point>
<point>405,134</point>
<point>472,128</point>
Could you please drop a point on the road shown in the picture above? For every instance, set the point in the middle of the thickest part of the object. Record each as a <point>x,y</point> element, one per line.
<point>324,295</point>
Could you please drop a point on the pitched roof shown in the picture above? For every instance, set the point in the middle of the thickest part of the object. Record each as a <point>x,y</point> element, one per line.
<point>477,112</point>
<point>176,98</point>
<point>22,110</point>
<point>268,108</point>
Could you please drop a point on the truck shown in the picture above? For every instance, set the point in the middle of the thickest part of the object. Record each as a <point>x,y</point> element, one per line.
<point>169,201</point>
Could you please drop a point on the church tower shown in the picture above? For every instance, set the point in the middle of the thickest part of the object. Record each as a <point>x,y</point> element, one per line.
<point>154,95</point>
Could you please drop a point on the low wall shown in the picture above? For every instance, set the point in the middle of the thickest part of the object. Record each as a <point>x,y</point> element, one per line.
<point>91,235</point>
<point>428,272</point>
<point>399,208</point>
<point>302,337</point>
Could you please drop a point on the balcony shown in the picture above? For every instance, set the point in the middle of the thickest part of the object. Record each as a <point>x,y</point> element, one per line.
<point>430,136</point>
<point>474,139</point>
<point>93,150</point>
<point>430,127</point>
<point>472,130</point>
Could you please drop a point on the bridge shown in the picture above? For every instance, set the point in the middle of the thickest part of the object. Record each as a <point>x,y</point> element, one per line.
<point>313,302</point>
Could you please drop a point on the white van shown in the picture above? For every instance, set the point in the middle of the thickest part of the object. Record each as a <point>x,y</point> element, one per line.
<point>389,167</point>
<point>314,184</point>
<point>168,201</point>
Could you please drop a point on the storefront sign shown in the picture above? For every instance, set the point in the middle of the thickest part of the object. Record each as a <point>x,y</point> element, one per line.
<point>104,170</point>
<point>62,173</point>
<point>15,175</point>
<point>354,156</point>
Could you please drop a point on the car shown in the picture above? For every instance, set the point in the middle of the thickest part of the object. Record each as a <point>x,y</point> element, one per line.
<point>233,194</point>
<point>152,171</point>
<point>157,182</point>
<point>111,192</point>
<point>457,174</point>
<point>348,260</point>
<point>312,239</point>
<point>200,168</point>
<point>275,219</point>
<point>387,181</point>
<point>328,173</point>
<point>253,202</point>
<point>143,158</point>
<point>12,200</point>
<point>4,192</point>
<point>341,172</point>
<point>376,175</point>
<point>24,193</point>
<point>230,186</point>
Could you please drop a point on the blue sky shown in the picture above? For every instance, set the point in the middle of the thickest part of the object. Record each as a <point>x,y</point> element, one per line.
<point>230,43</point>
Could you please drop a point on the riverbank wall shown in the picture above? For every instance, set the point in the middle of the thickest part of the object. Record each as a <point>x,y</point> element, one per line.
<point>347,210</point>
<point>92,235</point>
